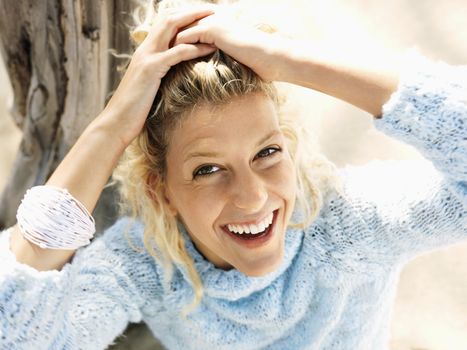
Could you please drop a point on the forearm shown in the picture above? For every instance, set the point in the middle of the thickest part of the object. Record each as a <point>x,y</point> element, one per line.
<point>84,173</point>
<point>87,167</point>
<point>44,306</point>
<point>364,77</point>
<point>363,80</point>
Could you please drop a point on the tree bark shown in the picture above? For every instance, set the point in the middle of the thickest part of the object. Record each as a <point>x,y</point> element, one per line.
<point>58,59</point>
<point>62,72</point>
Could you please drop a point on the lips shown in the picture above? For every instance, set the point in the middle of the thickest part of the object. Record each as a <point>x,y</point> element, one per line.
<point>251,228</point>
<point>254,239</point>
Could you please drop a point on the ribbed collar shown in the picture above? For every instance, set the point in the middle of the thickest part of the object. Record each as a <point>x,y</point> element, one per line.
<point>233,284</point>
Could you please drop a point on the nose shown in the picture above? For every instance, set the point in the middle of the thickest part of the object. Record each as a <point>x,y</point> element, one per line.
<point>249,191</point>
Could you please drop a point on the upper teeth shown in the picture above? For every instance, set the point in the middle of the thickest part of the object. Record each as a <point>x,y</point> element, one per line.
<point>253,229</point>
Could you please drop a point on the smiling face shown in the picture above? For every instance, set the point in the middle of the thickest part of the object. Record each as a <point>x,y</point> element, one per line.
<point>229,172</point>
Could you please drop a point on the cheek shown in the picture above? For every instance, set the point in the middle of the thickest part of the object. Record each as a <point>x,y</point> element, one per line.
<point>284,179</point>
<point>200,207</point>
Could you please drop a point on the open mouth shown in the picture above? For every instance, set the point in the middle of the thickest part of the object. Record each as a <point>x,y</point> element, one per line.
<point>253,232</point>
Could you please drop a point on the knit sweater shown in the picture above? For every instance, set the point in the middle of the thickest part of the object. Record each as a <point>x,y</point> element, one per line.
<point>336,285</point>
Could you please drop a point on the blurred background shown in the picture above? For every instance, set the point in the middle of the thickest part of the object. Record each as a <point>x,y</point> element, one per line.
<point>431,307</point>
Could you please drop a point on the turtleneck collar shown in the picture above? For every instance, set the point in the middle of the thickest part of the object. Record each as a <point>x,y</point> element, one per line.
<point>233,284</point>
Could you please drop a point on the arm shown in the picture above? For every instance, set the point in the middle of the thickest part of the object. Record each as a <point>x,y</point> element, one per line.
<point>403,208</point>
<point>364,79</point>
<point>88,165</point>
<point>84,173</point>
<point>86,305</point>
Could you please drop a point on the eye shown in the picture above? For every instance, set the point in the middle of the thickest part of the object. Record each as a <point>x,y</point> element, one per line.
<point>206,170</point>
<point>267,152</point>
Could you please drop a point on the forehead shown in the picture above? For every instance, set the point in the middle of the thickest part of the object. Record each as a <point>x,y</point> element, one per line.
<point>242,119</point>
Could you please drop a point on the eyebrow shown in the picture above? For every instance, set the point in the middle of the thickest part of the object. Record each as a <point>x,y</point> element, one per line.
<point>216,154</point>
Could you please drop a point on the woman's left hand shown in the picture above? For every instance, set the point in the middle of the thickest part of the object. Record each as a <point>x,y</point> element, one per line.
<point>265,53</point>
<point>363,78</point>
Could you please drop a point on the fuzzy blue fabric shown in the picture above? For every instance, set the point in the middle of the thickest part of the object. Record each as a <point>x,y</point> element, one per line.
<point>336,285</point>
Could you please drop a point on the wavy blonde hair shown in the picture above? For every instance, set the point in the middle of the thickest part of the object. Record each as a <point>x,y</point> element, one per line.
<point>212,80</point>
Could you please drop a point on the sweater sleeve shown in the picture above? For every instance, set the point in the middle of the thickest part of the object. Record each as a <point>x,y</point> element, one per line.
<point>85,305</point>
<point>408,207</point>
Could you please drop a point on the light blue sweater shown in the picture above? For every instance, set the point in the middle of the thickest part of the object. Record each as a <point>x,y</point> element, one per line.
<point>336,286</point>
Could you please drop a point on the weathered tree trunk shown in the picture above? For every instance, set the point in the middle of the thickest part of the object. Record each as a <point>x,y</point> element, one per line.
<point>57,56</point>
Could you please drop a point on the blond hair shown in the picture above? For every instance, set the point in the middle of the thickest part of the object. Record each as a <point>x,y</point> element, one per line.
<point>212,80</point>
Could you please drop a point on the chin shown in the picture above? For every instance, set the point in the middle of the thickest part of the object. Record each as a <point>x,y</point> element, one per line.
<point>259,270</point>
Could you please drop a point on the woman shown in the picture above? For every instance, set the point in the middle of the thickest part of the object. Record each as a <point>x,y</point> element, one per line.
<point>215,177</point>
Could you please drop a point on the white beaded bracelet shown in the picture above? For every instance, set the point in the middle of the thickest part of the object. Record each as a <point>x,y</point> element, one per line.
<point>52,218</point>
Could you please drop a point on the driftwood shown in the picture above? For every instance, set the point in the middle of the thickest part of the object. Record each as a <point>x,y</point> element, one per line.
<point>58,60</point>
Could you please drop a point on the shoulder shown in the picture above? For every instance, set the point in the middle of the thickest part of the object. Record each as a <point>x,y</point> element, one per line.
<point>120,247</point>
<point>356,227</point>
<point>384,182</point>
<point>122,232</point>
<point>120,252</point>
<point>123,237</point>
<point>378,185</point>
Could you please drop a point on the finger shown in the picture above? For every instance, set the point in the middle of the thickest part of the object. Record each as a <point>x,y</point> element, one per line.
<point>185,52</point>
<point>166,28</point>
<point>194,35</point>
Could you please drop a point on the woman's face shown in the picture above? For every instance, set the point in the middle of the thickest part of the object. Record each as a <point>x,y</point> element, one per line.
<point>229,173</point>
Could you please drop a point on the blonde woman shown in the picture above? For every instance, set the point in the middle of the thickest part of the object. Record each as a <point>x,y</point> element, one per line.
<point>238,239</point>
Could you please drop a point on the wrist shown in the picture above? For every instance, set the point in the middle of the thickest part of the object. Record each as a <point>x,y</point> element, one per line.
<point>105,127</point>
<point>88,165</point>
<point>293,58</point>
<point>298,62</point>
<point>40,259</point>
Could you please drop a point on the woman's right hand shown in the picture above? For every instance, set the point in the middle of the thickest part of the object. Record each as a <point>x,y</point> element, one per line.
<point>129,106</point>
<point>87,166</point>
